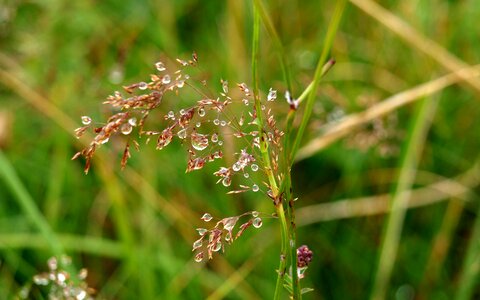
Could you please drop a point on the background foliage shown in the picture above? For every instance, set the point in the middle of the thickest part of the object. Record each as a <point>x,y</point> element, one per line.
<point>133,229</point>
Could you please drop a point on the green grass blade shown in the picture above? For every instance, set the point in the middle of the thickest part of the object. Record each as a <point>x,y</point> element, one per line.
<point>400,198</point>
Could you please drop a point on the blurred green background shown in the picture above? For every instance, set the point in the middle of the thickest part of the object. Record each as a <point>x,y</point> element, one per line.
<point>133,229</point>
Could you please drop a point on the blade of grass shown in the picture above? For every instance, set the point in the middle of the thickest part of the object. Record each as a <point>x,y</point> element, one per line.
<point>267,21</point>
<point>401,195</point>
<point>332,133</point>
<point>416,39</point>
<point>28,205</point>
<point>471,265</point>
<point>331,32</point>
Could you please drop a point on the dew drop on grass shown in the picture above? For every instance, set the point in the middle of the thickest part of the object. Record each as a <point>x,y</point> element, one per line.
<point>180,84</point>
<point>223,123</point>
<point>228,237</point>
<point>171,115</point>
<point>216,121</point>
<point>254,167</point>
<point>226,181</point>
<point>220,143</point>
<point>182,133</point>
<point>207,217</point>
<point>142,85</point>
<point>40,280</point>
<point>214,138</point>
<point>229,223</point>
<point>199,141</point>
<point>201,231</point>
<point>255,188</point>
<point>199,257</point>
<point>198,124</point>
<point>197,244</point>
<point>245,102</point>
<point>217,247</point>
<point>160,66</point>
<point>225,86</point>
<point>257,222</point>
<point>272,95</point>
<point>166,79</point>
<point>255,213</point>
<point>246,175</point>
<point>132,121</point>
<point>182,111</point>
<point>236,167</point>
<point>126,129</point>
<point>201,112</point>
<point>86,120</point>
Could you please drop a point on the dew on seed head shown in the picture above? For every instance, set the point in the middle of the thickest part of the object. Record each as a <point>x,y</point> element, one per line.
<point>225,86</point>
<point>229,223</point>
<point>197,244</point>
<point>246,175</point>
<point>199,141</point>
<point>132,121</point>
<point>171,115</point>
<point>166,79</point>
<point>255,213</point>
<point>182,133</point>
<point>223,123</point>
<point>180,84</point>
<point>214,138</point>
<point>236,167</point>
<point>198,124</point>
<point>228,237</point>
<point>40,280</point>
<point>82,274</point>
<point>263,107</point>
<point>182,111</point>
<point>207,217</point>
<point>272,95</point>
<point>245,101</point>
<point>142,85</point>
<point>201,112</point>
<point>226,181</point>
<point>217,247</point>
<point>199,257</point>
<point>216,121</point>
<point>254,167</point>
<point>86,120</point>
<point>220,143</point>
<point>201,231</point>
<point>255,188</point>
<point>257,222</point>
<point>126,128</point>
<point>160,66</point>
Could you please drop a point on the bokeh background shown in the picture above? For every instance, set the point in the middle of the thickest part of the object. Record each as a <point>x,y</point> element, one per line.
<point>133,229</point>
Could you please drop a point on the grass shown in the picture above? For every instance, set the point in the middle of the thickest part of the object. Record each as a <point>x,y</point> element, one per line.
<point>133,229</point>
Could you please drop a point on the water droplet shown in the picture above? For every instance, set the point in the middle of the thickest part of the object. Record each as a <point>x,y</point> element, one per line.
<point>171,115</point>
<point>166,79</point>
<point>255,188</point>
<point>126,128</point>
<point>201,231</point>
<point>246,175</point>
<point>214,138</point>
<point>198,124</point>
<point>186,76</point>
<point>207,217</point>
<point>79,293</point>
<point>199,257</point>
<point>182,133</point>
<point>40,280</point>
<point>82,274</point>
<point>180,84</point>
<point>220,143</point>
<point>142,85</point>
<point>223,123</point>
<point>229,223</point>
<point>103,141</point>
<point>199,141</point>
<point>245,101</point>
<point>197,244</point>
<point>272,95</point>
<point>217,247</point>
<point>61,276</point>
<point>254,167</point>
<point>236,167</point>
<point>182,111</point>
<point>225,86</point>
<point>257,222</point>
<point>226,181</point>
<point>201,112</point>
<point>263,107</point>
<point>228,237</point>
<point>255,213</point>
<point>86,120</point>
<point>132,121</point>
<point>216,121</point>
<point>160,66</point>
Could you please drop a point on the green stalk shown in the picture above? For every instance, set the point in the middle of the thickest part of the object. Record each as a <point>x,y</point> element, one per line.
<point>26,202</point>
<point>331,32</point>
<point>400,198</point>
<point>471,265</point>
<point>266,157</point>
